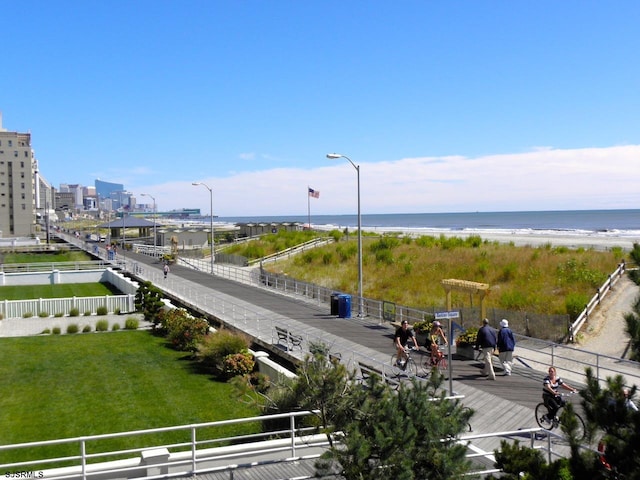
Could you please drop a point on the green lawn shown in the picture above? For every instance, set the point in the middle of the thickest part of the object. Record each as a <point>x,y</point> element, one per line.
<point>64,386</point>
<point>28,292</point>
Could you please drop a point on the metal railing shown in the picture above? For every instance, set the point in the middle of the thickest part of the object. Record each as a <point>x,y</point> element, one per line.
<point>205,450</point>
<point>51,266</point>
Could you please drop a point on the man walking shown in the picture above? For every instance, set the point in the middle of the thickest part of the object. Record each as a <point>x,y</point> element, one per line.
<point>506,345</point>
<point>486,342</point>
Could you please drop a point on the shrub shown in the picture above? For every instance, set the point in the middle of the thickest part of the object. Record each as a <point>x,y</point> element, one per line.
<point>87,313</point>
<point>213,349</point>
<point>1,316</point>
<point>575,303</point>
<point>102,310</point>
<point>115,327</point>
<point>46,331</point>
<point>237,364</point>
<point>56,330</point>
<point>117,311</point>
<point>74,312</point>
<point>27,315</point>
<point>86,329</point>
<point>58,314</point>
<point>184,332</point>
<point>131,323</point>
<point>43,314</point>
<point>72,328</point>
<point>102,326</point>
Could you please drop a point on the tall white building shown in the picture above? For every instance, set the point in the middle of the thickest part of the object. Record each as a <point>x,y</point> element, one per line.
<point>18,184</point>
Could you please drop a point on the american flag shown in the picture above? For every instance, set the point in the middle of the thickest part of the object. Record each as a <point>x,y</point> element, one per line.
<point>314,193</point>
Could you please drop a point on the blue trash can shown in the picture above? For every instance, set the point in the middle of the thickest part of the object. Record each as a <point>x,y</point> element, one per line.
<point>344,306</point>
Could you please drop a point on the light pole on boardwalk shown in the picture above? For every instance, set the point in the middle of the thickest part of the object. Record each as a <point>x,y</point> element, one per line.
<point>154,220</point>
<point>334,156</point>
<point>213,255</point>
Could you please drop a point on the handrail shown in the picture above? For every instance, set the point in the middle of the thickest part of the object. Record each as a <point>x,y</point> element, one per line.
<point>575,327</point>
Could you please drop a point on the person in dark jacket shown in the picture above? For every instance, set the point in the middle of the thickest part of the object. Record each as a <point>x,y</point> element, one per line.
<point>506,345</point>
<point>486,341</point>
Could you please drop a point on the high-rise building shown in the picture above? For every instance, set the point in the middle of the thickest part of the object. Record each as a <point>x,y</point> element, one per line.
<point>18,184</point>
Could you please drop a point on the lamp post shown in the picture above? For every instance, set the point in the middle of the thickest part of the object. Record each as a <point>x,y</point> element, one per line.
<point>334,156</point>
<point>154,221</point>
<point>213,255</point>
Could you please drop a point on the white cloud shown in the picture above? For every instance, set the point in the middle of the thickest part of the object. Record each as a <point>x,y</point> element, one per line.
<point>544,179</point>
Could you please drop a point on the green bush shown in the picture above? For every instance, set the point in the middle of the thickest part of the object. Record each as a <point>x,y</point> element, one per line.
<point>115,327</point>
<point>56,330</point>
<point>102,310</point>
<point>183,331</point>
<point>27,315</point>
<point>72,328</point>
<point>46,331</point>
<point>86,329</point>
<point>117,311</point>
<point>87,313</point>
<point>58,314</point>
<point>74,312</point>
<point>102,326</point>
<point>131,323</point>
<point>214,348</point>
<point>43,314</point>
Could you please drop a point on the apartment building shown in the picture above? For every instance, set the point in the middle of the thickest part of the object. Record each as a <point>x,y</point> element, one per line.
<point>18,184</point>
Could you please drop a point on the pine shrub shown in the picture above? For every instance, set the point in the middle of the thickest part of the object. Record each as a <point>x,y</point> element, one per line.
<point>56,330</point>
<point>102,310</point>
<point>86,329</point>
<point>115,327</point>
<point>72,328</point>
<point>74,312</point>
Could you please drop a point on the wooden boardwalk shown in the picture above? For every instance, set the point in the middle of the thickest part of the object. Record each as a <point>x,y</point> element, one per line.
<point>505,404</point>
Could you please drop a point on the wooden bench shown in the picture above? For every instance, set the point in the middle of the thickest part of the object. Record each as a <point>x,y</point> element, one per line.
<point>290,340</point>
<point>367,371</point>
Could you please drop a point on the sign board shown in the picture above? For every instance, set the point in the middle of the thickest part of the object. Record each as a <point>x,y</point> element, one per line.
<point>388,311</point>
<point>445,315</point>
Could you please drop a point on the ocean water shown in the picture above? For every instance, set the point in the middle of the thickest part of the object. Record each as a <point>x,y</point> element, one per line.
<point>606,223</point>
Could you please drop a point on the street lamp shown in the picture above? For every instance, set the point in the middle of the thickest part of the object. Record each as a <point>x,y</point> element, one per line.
<point>334,156</point>
<point>213,255</point>
<point>154,221</point>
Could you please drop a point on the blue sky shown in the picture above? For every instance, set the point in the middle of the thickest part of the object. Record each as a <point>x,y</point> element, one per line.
<point>446,106</point>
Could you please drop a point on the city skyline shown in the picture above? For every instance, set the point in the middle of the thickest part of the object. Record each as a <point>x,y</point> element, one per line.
<point>472,106</point>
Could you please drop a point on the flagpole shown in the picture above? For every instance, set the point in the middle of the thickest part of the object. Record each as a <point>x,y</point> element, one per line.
<point>309,207</point>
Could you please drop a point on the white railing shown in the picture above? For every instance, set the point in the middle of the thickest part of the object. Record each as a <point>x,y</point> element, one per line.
<point>64,306</point>
<point>207,451</point>
<point>316,242</point>
<point>50,266</point>
<point>595,301</point>
<point>155,251</point>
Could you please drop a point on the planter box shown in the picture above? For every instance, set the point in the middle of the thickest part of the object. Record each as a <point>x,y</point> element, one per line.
<point>466,351</point>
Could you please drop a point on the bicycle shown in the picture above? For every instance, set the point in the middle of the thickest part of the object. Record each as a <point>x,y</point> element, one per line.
<point>406,365</point>
<point>543,420</point>
<point>435,360</point>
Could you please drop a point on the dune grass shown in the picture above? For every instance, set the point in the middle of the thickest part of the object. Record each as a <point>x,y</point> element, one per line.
<point>408,271</point>
<point>64,386</point>
<point>28,292</point>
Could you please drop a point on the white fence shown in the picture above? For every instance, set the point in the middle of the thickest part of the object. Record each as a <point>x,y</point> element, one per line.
<point>595,301</point>
<point>63,306</point>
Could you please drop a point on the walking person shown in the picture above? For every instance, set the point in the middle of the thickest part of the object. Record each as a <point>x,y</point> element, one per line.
<point>165,269</point>
<point>486,341</point>
<point>506,345</point>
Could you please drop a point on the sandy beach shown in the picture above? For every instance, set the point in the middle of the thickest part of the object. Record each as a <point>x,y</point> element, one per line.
<point>596,241</point>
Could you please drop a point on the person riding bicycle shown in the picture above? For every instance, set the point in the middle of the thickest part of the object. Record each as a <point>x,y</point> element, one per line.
<point>435,335</point>
<point>401,341</point>
<point>550,396</point>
